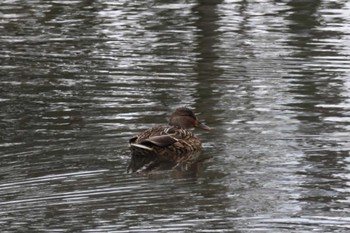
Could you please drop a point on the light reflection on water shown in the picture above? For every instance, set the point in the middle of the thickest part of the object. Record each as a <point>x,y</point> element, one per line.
<point>79,78</point>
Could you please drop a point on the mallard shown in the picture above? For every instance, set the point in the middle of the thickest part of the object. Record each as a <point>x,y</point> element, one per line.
<point>167,145</point>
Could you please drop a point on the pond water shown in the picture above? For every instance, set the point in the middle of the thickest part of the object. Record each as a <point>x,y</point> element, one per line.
<point>79,78</point>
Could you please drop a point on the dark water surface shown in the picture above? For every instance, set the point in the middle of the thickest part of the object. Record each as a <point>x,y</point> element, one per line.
<point>79,78</point>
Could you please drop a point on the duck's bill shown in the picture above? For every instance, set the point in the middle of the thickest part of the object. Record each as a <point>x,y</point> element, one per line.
<point>201,125</point>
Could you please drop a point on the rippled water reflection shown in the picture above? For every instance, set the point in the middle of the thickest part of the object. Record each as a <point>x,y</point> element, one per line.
<point>79,78</point>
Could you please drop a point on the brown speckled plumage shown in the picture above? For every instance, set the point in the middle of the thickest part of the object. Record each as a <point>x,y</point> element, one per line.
<point>166,146</point>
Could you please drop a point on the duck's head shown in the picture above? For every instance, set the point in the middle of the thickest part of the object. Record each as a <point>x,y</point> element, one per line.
<point>185,118</point>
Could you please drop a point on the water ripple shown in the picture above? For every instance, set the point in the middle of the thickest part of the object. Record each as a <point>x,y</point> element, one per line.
<point>79,78</point>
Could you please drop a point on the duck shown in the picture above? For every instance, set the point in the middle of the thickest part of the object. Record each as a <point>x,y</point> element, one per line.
<point>165,146</point>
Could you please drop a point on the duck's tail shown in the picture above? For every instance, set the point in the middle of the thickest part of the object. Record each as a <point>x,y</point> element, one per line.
<point>142,158</point>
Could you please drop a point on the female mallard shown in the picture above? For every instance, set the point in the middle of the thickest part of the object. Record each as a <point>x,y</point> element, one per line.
<point>166,145</point>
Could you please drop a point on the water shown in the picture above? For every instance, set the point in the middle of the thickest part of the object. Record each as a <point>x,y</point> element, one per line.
<point>79,78</point>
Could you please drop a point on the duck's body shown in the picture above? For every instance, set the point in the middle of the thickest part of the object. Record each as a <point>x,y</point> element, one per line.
<point>166,145</point>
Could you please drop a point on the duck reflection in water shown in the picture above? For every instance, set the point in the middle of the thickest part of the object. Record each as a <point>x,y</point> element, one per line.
<point>166,147</point>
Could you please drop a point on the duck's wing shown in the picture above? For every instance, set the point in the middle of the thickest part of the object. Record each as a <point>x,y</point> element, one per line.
<point>149,133</point>
<point>160,141</point>
<point>161,136</point>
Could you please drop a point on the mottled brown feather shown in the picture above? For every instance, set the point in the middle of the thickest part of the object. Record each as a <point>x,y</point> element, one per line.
<point>169,144</point>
